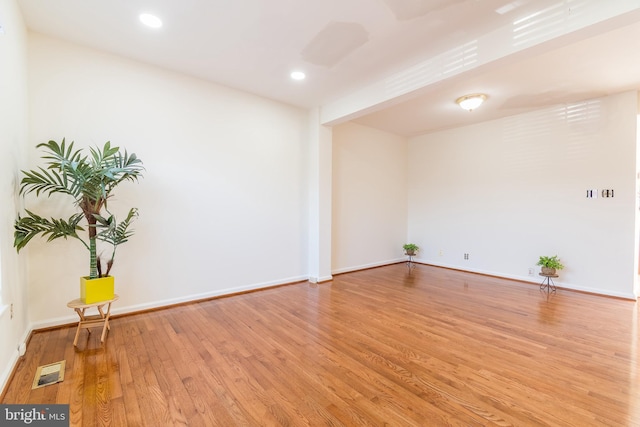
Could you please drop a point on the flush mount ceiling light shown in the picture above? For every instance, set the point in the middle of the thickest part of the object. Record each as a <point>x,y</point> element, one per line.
<point>471,102</point>
<point>150,20</point>
<point>298,75</point>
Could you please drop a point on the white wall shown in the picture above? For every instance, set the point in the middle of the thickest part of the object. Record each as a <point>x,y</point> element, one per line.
<point>13,134</point>
<point>510,190</point>
<point>223,203</point>
<point>369,197</point>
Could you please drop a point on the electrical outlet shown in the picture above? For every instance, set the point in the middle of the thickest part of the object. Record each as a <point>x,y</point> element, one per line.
<point>531,272</point>
<point>440,252</point>
<point>466,256</point>
<point>11,312</point>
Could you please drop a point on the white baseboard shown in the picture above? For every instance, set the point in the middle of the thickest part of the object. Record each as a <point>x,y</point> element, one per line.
<point>15,358</point>
<point>206,295</point>
<point>533,279</point>
<point>72,318</point>
<point>365,266</point>
<point>4,377</point>
<point>320,279</point>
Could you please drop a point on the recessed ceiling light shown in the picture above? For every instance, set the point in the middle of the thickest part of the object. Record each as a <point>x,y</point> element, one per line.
<point>298,75</point>
<point>150,20</point>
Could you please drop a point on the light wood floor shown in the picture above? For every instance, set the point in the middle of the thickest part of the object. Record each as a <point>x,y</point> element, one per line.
<point>378,347</point>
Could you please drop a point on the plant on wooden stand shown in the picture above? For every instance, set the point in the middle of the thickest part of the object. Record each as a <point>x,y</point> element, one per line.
<point>89,180</point>
<point>550,264</point>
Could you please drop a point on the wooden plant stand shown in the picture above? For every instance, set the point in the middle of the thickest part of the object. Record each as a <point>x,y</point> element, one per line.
<point>86,322</point>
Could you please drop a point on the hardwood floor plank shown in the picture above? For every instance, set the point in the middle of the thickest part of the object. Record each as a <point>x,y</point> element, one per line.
<point>267,359</point>
<point>210,396</point>
<point>386,346</point>
<point>121,334</point>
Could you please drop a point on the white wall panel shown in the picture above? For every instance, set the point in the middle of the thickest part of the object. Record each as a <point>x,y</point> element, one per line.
<point>369,197</point>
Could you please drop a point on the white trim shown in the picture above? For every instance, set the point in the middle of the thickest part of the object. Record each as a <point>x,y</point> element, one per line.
<point>58,321</point>
<point>532,279</point>
<point>206,295</point>
<point>365,266</point>
<point>4,377</point>
<point>320,279</point>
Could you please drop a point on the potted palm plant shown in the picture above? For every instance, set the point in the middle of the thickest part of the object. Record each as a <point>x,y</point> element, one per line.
<point>89,180</point>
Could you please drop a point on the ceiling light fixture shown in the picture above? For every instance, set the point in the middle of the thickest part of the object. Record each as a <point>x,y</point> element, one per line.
<point>298,75</point>
<point>150,20</point>
<point>471,102</point>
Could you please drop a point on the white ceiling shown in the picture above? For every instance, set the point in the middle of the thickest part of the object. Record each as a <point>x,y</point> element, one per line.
<point>346,45</point>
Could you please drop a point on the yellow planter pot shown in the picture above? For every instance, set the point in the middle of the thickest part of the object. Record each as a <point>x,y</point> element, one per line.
<point>96,290</point>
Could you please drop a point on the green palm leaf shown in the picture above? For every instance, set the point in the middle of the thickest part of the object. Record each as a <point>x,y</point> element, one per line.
<point>26,228</point>
<point>89,180</point>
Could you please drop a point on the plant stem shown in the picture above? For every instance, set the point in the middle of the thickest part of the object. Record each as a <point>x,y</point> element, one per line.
<point>93,263</point>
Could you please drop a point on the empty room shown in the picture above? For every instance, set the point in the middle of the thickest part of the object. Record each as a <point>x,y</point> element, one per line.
<point>328,212</point>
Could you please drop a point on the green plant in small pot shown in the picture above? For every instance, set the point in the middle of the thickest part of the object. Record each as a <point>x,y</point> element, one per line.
<point>410,249</point>
<point>550,264</point>
<point>89,179</point>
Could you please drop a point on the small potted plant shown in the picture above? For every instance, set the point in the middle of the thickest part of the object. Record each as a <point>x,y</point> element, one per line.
<point>550,264</point>
<point>410,249</point>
